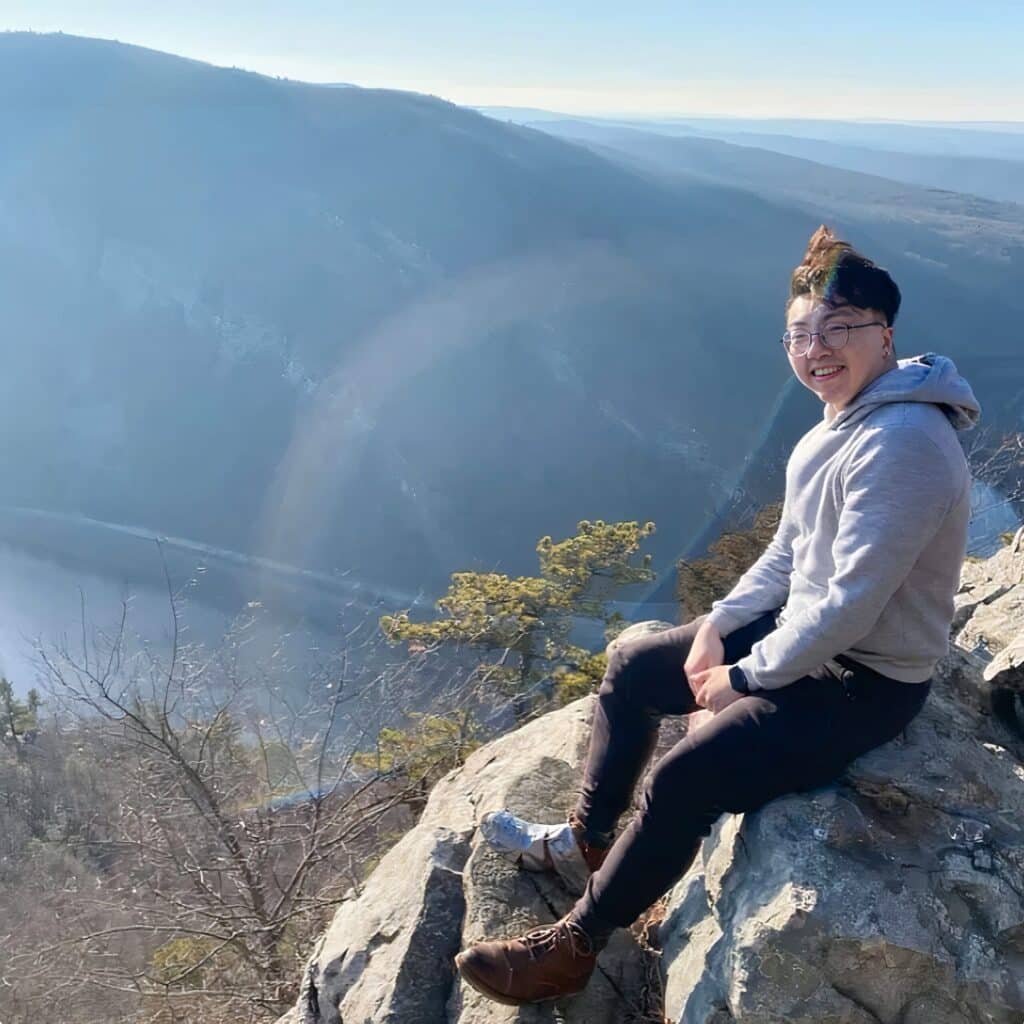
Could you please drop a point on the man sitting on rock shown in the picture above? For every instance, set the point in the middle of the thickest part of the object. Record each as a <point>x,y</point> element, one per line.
<point>822,651</point>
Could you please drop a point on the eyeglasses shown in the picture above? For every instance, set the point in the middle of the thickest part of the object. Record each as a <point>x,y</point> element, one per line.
<point>834,336</point>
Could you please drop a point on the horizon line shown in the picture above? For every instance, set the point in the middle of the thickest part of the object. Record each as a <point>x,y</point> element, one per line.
<point>608,114</point>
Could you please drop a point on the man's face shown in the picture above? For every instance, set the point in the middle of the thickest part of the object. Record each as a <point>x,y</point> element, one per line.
<point>859,361</point>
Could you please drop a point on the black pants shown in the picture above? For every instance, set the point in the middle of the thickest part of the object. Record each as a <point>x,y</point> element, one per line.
<point>761,746</point>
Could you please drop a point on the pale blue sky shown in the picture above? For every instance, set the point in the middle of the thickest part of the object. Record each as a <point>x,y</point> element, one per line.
<point>941,60</point>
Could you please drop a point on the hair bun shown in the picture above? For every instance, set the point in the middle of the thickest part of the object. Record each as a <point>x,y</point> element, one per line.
<point>820,242</point>
<point>832,269</point>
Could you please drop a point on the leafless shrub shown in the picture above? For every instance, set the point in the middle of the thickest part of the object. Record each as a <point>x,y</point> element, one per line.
<point>997,459</point>
<point>203,823</point>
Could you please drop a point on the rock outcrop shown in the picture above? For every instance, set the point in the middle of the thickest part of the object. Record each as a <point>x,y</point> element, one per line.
<point>987,657</point>
<point>895,894</point>
<point>387,957</point>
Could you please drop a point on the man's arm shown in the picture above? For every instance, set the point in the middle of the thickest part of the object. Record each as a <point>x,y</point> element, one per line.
<point>899,486</point>
<point>763,587</point>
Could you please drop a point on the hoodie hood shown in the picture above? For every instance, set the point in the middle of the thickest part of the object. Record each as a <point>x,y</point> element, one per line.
<point>925,378</point>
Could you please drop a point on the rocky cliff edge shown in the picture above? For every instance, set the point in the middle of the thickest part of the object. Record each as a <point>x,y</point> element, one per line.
<point>895,894</point>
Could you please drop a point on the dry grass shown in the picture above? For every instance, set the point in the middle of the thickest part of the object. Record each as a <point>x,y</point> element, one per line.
<point>652,992</point>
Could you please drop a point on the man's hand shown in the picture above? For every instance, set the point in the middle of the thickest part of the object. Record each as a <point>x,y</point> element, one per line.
<point>714,691</point>
<point>706,652</point>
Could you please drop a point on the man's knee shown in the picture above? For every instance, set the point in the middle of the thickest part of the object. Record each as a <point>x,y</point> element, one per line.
<point>679,794</point>
<point>617,672</point>
<point>647,673</point>
<point>632,668</point>
<point>649,656</point>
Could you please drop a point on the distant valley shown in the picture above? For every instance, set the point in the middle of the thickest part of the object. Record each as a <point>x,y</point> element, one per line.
<point>371,332</point>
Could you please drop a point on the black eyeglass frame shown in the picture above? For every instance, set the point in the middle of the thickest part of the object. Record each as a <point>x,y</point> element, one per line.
<point>820,334</point>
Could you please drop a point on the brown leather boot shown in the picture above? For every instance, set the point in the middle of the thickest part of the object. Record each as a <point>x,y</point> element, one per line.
<point>544,964</point>
<point>593,856</point>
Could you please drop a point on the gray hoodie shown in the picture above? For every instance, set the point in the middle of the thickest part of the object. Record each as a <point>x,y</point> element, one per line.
<point>868,553</point>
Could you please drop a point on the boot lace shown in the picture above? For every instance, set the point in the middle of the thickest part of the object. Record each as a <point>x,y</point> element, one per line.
<point>545,940</point>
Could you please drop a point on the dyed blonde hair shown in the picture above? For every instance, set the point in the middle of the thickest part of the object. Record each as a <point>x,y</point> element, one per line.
<point>833,271</point>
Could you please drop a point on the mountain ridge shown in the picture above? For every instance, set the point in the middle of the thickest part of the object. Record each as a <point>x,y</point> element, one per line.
<point>365,330</point>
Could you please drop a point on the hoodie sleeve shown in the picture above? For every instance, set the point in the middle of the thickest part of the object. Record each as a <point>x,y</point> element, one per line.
<point>898,487</point>
<point>763,587</point>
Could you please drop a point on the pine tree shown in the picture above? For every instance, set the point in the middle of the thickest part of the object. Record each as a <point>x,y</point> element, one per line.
<point>529,619</point>
<point>704,580</point>
<point>18,719</point>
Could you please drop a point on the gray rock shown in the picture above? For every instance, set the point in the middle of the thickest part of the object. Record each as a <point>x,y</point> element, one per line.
<point>895,894</point>
<point>1006,669</point>
<point>636,630</point>
<point>994,624</point>
<point>892,895</point>
<point>988,654</point>
<point>388,954</point>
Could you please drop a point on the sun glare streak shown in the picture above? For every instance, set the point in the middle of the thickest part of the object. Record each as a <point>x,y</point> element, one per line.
<point>311,482</point>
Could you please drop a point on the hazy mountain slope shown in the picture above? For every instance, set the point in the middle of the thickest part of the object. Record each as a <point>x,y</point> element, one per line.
<point>1000,140</point>
<point>362,329</point>
<point>372,331</point>
<point>986,161</point>
<point>999,179</point>
<point>990,228</point>
<point>996,140</point>
<point>975,245</point>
